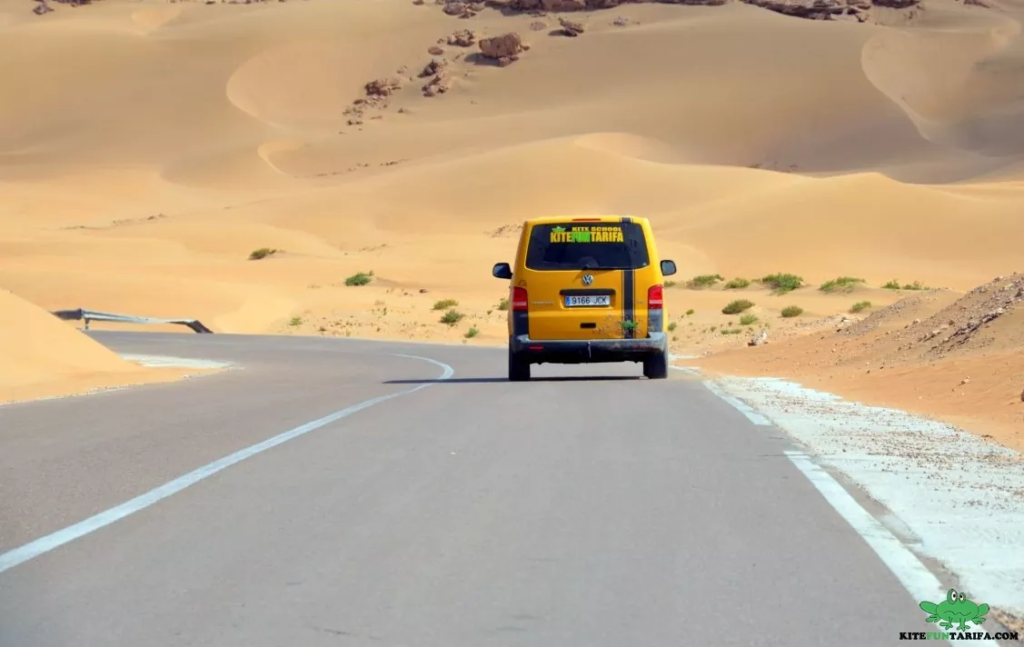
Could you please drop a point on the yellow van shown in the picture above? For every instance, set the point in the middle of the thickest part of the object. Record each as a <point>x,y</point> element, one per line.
<point>586,290</point>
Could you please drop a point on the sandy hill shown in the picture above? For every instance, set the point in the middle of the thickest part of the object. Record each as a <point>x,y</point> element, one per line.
<point>147,148</point>
<point>957,357</point>
<point>43,356</point>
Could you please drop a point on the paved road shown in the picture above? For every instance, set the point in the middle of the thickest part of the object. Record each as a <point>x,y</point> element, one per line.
<point>560,512</point>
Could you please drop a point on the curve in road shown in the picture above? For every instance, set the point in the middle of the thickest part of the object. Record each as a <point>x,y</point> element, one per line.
<point>587,507</point>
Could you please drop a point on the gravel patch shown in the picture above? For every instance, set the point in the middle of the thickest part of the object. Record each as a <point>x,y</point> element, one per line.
<point>961,497</point>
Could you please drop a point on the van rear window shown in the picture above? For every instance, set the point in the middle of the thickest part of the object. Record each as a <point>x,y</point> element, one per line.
<point>590,246</point>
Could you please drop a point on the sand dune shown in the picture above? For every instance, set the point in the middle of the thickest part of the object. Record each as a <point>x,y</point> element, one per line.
<point>42,356</point>
<point>146,148</point>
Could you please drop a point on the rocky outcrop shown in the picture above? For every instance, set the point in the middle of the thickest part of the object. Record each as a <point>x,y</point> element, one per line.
<point>558,6</point>
<point>815,9</point>
<point>439,84</point>
<point>549,5</point>
<point>463,9</point>
<point>504,49</point>
<point>462,38</point>
<point>809,9</point>
<point>383,87</point>
<point>455,8</point>
<point>434,67</point>
<point>562,6</point>
<point>570,27</point>
<point>378,95</point>
<point>43,6</point>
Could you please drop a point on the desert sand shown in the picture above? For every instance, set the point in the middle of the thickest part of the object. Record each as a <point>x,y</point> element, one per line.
<point>147,148</point>
<point>44,357</point>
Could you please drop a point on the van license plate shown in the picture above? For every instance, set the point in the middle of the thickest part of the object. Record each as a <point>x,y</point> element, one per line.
<point>588,300</point>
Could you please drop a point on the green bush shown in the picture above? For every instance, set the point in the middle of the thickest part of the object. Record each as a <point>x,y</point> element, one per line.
<point>860,305</point>
<point>451,317</point>
<point>840,284</point>
<point>670,284</point>
<point>895,285</point>
<point>471,333</point>
<point>444,304</point>
<point>672,326</point>
<point>296,321</point>
<point>731,331</point>
<point>261,253</point>
<point>748,320</point>
<point>704,281</point>
<point>737,307</point>
<point>360,278</point>
<point>782,283</point>
<point>737,284</point>
<point>503,305</point>
<point>690,312</point>
<point>792,311</point>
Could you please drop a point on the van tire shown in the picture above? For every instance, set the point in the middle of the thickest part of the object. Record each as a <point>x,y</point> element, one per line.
<point>518,370</point>
<point>656,366</point>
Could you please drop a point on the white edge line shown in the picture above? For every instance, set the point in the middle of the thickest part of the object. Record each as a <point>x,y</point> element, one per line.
<point>739,405</point>
<point>168,361</point>
<point>685,369</point>
<point>45,544</point>
<point>904,564</point>
<point>915,577</point>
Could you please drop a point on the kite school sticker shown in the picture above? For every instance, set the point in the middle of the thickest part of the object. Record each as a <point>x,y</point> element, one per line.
<point>584,234</point>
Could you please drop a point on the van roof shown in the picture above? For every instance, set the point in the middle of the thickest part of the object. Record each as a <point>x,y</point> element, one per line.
<point>546,220</point>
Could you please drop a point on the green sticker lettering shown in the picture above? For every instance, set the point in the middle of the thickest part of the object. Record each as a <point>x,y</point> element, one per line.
<point>587,235</point>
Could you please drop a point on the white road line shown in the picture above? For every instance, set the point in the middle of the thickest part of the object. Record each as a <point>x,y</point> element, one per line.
<point>904,564</point>
<point>166,361</point>
<point>739,405</point>
<point>684,369</point>
<point>44,545</point>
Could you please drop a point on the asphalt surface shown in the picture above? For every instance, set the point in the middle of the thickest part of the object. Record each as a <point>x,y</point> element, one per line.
<point>587,507</point>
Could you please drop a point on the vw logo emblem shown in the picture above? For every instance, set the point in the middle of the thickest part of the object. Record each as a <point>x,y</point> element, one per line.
<point>588,279</point>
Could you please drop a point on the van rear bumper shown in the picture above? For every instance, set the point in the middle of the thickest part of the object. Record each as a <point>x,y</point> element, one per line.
<point>586,351</point>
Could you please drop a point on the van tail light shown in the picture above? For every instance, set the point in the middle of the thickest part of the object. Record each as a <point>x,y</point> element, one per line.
<point>519,300</point>
<point>655,297</point>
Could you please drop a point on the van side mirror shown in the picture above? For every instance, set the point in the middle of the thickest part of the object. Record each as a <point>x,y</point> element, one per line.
<point>502,271</point>
<point>668,268</point>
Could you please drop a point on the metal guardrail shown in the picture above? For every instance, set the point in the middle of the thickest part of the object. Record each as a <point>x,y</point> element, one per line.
<point>92,315</point>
